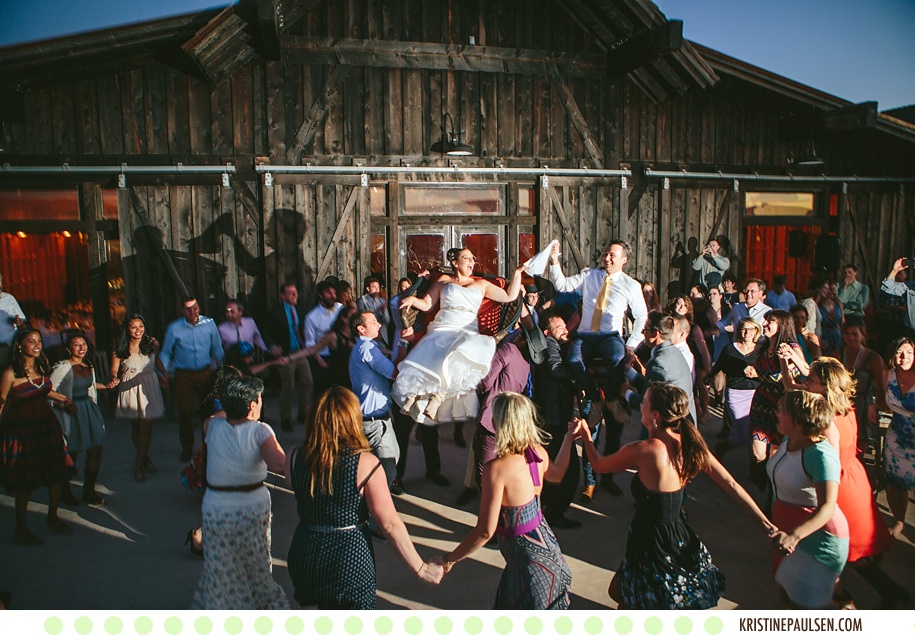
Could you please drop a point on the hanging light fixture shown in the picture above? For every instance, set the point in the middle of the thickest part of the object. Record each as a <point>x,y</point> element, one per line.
<point>450,142</point>
<point>810,157</point>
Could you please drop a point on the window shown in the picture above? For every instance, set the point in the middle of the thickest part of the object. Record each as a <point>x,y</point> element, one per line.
<point>781,204</point>
<point>471,200</point>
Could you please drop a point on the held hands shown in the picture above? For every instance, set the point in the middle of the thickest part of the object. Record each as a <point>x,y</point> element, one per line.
<point>113,383</point>
<point>785,352</point>
<point>432,571</point>
<point>407,303</point>
<point>750,372</point>
<point>785,542</point>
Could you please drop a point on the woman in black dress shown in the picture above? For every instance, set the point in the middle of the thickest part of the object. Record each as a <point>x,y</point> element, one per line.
<point>666,565</point>
<point>336,486</point>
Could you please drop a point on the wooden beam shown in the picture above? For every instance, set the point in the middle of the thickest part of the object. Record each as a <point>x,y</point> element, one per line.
<point>426,55</point>
<point>338,233</point>
<point>640,48</point>
<point>589,21</point>
<point>636,191</point>
<point>578,121</point>
<point>317,113</point>
<point>248,201</point>
<point>851,118</point>
<point>722,212</point>
<point>268,19</point>
<point>566,229</point>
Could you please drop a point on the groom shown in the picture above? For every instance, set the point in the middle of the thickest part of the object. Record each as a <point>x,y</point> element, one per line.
<point>607,293</point>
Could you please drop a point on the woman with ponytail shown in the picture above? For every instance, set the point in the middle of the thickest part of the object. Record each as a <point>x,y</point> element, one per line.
<point>666,565</point>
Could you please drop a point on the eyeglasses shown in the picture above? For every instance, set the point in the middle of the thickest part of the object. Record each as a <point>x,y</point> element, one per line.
<point>749,291</point>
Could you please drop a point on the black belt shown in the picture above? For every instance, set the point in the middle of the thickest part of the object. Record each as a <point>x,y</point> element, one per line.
<point>192,370</point>
<point>386,416</point>
<point>240,488</point>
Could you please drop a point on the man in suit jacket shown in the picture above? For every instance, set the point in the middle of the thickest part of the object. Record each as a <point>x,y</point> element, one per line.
<point>666,364</point>
<point>555,394</point>
<point>287,330</point>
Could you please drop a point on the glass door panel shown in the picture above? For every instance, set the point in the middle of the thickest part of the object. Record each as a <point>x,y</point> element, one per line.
<point>424,250</point>
<point>486,247</point>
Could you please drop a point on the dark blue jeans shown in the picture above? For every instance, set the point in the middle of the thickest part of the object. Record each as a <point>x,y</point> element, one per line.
<point>607,346</point>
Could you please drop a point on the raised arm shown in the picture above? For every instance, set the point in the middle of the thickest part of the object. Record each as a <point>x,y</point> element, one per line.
<point>510,294</point>
<point>557,468</point>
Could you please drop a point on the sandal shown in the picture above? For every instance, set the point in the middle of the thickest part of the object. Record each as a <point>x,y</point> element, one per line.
<point>138,474</point>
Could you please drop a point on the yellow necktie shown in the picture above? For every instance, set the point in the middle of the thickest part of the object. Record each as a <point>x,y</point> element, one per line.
<point>599,304</point>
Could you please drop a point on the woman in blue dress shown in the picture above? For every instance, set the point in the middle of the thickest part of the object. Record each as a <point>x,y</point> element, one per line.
<point>899,446</point>
<point>536,575</point>
<point>337,489</point>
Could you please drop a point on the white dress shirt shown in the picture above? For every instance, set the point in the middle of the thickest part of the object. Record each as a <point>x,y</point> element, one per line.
<point>318,322</point>
<point>9,309</point>
<point>626,293</point>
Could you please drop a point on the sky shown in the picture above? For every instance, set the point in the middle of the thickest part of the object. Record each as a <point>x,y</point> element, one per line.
<point>853,49</point>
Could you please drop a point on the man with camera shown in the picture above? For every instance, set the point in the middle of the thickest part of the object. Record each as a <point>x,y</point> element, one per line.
<point>710,265</point>
<point>905,289</point>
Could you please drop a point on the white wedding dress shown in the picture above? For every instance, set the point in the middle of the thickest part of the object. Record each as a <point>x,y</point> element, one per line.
<point>437,381</point>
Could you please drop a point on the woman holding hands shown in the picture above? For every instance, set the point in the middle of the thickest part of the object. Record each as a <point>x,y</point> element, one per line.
<point>536,575</point>
<point>666,565</point>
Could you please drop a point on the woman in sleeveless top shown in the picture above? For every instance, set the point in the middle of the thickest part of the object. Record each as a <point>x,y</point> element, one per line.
<point>437,380</point>
<point>666,565</point>
<point>899,447</point>
<point>33,453</point>
<point>337,489</point>
<point>867,368</point>
<point>536,575</point>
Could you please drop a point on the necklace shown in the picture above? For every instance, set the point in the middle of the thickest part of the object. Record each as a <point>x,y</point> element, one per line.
<point>28,377</point>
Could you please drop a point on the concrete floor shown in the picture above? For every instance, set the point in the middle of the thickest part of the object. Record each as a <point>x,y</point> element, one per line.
<point>128,554</point>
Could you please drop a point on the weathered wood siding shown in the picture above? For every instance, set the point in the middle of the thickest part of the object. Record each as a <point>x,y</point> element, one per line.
<point>392,116</point>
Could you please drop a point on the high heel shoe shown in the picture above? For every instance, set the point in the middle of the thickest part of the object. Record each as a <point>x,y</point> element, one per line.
<point>197,551</point>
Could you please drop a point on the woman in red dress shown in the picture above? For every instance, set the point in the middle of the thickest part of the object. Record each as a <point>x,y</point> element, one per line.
<point>32,449</point>
<point>868,534</point>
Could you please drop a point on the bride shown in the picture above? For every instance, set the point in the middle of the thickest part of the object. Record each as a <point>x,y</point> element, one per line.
<point>437,381</point>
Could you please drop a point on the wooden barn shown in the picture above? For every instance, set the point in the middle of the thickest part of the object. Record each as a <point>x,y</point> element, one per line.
<point>229,151</point>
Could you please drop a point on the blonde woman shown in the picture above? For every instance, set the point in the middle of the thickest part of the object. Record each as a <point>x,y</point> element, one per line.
<point>536,575</point>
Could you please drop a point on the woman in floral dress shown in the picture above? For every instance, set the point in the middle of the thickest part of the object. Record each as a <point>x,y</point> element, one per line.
<point>899,447</point>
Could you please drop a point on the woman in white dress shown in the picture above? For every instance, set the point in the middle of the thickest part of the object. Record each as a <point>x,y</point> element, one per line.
<point>437,381</point>
<point>133,371</point>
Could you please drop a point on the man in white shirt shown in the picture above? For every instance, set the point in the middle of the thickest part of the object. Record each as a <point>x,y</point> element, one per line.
<point>11,318</point>
<point>607,293</point>
<point>318,322</point>
<point>754,307</point>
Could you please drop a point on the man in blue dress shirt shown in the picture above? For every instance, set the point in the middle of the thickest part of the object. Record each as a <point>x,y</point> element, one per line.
<point>191,350</point>
<point>371,373</point>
